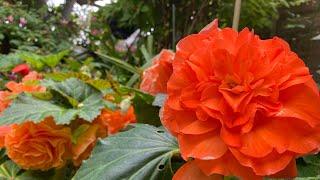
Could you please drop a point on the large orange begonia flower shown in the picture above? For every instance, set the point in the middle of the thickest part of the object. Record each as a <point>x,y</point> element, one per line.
<point>155,78</point>
<point>240,105</point>
<point>39,146</point>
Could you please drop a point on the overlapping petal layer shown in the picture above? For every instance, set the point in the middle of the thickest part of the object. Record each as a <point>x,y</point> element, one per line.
<point>84,144</point>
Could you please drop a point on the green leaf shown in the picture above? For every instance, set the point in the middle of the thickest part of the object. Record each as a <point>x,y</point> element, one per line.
<point>309,166</point>
<point>141,153</point>
<point>61,76</point>
<point>145,111</point>
<point>8,62</point>
<point>37,175</point>
<point>63,173</point>
<point>3,156</point>
<point>26,107</point>
<point>38,61</point>
<point>86,98</point>
<point>147,55</point>
<point>43,95</point>
<point>73,89</point>
<point>73,64</point>
<point>9,170</point>
<point>90,108</point>
<point>33,59</point>
<point>53,60</point>
<point>312,159</point>
<point>99,84</point>
<point>86,102</point>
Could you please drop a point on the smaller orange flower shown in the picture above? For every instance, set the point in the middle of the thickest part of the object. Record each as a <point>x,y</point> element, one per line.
<point>81,150</point>
<point>155,78</point>
<point>113,121</point>
<point>18,88</point>
<point>39,146</point>
<point>27,84</point>
<point>4,130</point>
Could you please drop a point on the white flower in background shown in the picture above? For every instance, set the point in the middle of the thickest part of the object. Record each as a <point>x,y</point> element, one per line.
<point>124,44</point>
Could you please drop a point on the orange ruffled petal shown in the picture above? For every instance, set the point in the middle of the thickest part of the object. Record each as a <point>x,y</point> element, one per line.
<point>85,144</point>
<point>4,130</point>
<point>114,121</point>
<point>300,102</point>
<point>205,146</point>
<point>226,165</point>
<point>155,78</point>
<point>190,171</point>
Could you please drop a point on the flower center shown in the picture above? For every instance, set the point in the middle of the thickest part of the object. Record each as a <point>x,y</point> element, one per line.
<point>231,82</point>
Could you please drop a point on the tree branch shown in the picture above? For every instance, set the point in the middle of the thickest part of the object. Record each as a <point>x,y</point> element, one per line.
<point>67,9</point>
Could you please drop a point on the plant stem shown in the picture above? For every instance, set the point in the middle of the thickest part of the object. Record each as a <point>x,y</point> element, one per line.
<point>236,15</point>
<point>173,26</point>
<point>176,156</point>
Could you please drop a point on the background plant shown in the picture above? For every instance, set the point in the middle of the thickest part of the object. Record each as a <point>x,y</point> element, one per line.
<point>31,29</point>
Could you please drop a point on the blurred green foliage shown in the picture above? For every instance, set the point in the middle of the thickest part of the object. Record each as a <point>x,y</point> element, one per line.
<point>31,29</point>
<point>156,17</point>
